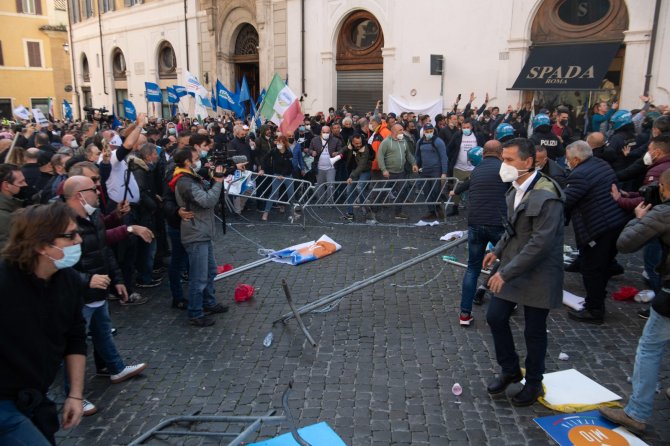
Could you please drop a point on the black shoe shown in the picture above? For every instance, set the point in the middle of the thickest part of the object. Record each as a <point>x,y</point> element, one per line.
<point>479,296</point>
<point>203,321</point>
<point>180,304</point>
<point>615,269</point>
<point>349,216</point>
<point>154,283</point>
<point>500,383</point>
<point>216,309</point>
<point>574,267</point>
<point>644,314</point>
<point>452,210</point>
<point>587,316</point>
<point>528,395</point>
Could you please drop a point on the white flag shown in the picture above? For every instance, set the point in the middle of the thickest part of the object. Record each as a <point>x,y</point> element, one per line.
<point>194,86</point>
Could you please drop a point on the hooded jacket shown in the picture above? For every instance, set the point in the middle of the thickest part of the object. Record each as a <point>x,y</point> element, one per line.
<point>193,194</point>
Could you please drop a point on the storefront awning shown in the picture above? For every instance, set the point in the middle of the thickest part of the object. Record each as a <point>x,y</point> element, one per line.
<point>566,67</point>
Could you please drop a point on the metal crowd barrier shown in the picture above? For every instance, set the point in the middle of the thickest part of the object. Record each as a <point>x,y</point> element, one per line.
<point>283,191</point>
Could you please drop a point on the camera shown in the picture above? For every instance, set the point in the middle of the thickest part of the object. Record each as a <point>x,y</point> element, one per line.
<point>104,116</point>
<point>219,157</point>
<point>651,194</point>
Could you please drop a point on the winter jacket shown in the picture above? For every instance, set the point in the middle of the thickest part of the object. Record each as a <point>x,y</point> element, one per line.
<point>334,146</point>
<point>431,156</point>
<point>550,142</point>
<point>555,172</point>
<point>96,256</point>
<point>454,146</point>
<point>239,147</point>
<point>279,164</point>
<point>597,121</point>
<point>638,232</point>
<point>531,251</point>
<point>297,160</point>
<point>361,161</point>
<point>148,204</point>
<point>380,134</point>
<point>193,194</point>
<point>613,152</point>
<point>486,193</point>
<point>589,203</point>
<point>393,154</point>
<point>7,206</point>
<point>651,176</point>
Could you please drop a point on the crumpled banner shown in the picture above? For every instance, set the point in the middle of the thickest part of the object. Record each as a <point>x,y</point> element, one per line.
<point>397,106</point>
<point>306,252</point>
<point>239,183</point>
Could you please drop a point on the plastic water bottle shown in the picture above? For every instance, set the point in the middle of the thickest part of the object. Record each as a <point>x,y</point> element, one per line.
<point>456,389</point>
<point>268,339</point>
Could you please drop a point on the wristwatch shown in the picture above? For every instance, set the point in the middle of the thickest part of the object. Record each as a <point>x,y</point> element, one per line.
<point>129,229</point>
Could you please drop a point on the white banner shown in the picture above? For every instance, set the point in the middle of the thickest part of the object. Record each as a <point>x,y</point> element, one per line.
<point>21,112</point>
<point>39,117</point>
<point>396,106</point>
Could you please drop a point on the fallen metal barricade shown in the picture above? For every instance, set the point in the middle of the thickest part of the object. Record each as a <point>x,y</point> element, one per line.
<point>238,438</point>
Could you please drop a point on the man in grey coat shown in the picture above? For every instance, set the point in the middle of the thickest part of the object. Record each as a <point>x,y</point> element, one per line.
<point>530,269</point>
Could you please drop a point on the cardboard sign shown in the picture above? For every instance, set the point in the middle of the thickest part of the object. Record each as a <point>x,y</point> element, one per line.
<point>586,429</point>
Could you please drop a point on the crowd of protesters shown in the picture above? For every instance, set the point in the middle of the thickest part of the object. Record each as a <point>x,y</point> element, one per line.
<point>90,213</point>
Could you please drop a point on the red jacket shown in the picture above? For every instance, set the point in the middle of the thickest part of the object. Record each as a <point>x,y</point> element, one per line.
<point>652,176</point>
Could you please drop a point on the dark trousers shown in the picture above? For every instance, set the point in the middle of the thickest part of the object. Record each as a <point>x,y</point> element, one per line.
<point>535,334</point>
<point>595,266</point>
<point>478,237</point>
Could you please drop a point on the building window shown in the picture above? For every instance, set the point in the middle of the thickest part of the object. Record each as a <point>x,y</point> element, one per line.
<point>34,54</point>
<point>88,8</point>
<point>85,71</point>
<point>132,2</point>
<point>29,6</point>
<point>247,41</point>
<point>6,108</point>
<point>167,62</point>
<point>88,98</point>
<point>121,94</point>
<point>118,65</point>
<point>165,106</point>
<point>41,103</point>
<point>107,5</point>
<point>75,12</point>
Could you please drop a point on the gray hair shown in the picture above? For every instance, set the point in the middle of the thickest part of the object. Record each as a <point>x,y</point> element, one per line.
<point>347,120</point>
<point>580,150</point>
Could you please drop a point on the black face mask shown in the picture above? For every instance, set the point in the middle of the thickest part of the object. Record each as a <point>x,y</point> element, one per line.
<point>564,122</point>
<point>24,195</point>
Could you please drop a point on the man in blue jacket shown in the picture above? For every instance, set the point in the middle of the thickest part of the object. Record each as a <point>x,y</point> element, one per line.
<point>431,158</point>
<point>597,221</point>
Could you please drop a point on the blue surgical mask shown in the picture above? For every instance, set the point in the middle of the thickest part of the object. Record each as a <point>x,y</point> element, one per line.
<point>71,255</point>
<point>428,135</point>
<point>467,132</point>
<point>203,154</point>
<point>197,165</point>
<point>172,131</point>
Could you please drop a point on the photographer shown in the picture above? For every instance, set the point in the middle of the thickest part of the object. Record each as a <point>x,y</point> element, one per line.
<point>650,223</point>
<point>194,194</point>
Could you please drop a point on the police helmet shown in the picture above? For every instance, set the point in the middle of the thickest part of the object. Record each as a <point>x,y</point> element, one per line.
<point>540,120</point>
<point>621,118</point>
<point>504,130</point>
<point>475,155</point>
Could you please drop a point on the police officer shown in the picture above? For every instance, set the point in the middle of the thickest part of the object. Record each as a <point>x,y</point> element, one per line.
<point>542,136</point>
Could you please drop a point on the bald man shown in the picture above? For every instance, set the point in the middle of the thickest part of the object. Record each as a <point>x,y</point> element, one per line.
<point>394,152</point>
<point>597,142</point>
<point>487,206</point>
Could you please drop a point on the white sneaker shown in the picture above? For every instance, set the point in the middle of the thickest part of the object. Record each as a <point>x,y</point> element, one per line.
<point>128,372</point>
<point>645,274</point>
<point>89,408</point>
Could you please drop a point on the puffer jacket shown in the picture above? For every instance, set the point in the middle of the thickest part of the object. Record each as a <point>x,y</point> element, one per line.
<point>639,231</point>
<point>589,201</point>
<point>96,256</point>
<point>193,194</point>
<point>487,193</point>
<point>278,163</point>
<point>652,176</point>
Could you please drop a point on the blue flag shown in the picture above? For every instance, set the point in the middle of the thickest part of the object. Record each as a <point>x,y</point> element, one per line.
<point>244,91</point>
<point>173,98</point>
<point>213,99</point>
<point>153,92</point>
<point>237,88</point>
<point>224,98</point>
<point>115,121</point>
<point>260,98</point>
<point>129,110</point>
<point>68,110</point>
<point>205,101</point>
<point>181,91</point>
<point>255,115</point>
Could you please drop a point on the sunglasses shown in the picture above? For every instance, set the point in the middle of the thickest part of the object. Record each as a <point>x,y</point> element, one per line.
<point>69,235</point>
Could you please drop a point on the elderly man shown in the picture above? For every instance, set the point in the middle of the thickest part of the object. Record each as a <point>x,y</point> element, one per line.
<point>392,155</point>
<point>597,221</point>
<point>324,149</point>
<point>530,272</point>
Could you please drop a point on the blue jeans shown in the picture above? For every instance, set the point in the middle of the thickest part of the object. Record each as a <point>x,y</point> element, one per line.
<point>478,237</point>
<point>276,184</point>
<point>202,270</point>
<point>535,334</point>
<point>655,338</point>
<point>145,260</point>
<point>16,429</point>
<point>653,254</point>
<point>430,187</point>
<point>178,264</point>
<point>361,193</point>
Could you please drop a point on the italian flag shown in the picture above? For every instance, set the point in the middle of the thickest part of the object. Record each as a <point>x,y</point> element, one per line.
<point>281,106</point>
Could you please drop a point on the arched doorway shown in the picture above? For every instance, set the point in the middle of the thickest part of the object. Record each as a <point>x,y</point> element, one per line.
<point>359,62</point>
<point>581,22</point>
<point>246,58</point>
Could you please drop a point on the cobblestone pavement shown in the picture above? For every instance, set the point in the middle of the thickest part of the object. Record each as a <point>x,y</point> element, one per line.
<point>387,356</point>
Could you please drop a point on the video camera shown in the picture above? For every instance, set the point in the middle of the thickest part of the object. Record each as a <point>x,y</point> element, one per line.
<point>103,114</point>
<point>651,194</point>
<point>219,157</point>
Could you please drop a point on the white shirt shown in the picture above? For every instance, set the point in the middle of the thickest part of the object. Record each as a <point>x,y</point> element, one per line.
<point>115,182</point>
<point>324,158</point>
<point>522,188</point>
<point>467,143</point>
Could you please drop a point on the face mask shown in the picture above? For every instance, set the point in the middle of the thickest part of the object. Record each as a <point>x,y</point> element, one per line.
<point>325,136</point>
<point>509,173</point>
<point>252,145</point>
<point>71,255</point>
<point>428,135</point>
<point>291,140</point>
<point>203,154</point>
<point>301,129</point>
<point>24,193</point>
<point>401,136</point>
<point>467,132</point>
<point>172,131</point>
<point>371,127</point>
<point>87,207</point>
<point>564,122</point>
<point>647,159</point>
<point>197,165</point>
<point>73,144</point>
<point>280,146</point>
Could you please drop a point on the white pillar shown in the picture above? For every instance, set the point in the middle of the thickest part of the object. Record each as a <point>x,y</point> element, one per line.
<point>634,66</point>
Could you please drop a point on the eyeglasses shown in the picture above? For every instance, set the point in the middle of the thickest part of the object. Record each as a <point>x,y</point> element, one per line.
<point>91,189</point>
<point>69,235</point>
<point>95,179</point>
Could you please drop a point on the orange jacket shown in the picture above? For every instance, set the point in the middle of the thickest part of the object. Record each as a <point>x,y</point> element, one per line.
<point>380,135</point>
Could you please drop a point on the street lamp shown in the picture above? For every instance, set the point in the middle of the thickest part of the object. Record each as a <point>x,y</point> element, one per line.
<point>66,47</point>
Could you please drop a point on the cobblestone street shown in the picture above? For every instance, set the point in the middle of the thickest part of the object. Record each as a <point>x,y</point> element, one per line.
<point>387,355</point>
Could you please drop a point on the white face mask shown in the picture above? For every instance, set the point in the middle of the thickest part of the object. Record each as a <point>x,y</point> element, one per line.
<point>87,207</point>
<point>73,144</point>
<point>509,173</point>
<point>280,146</point>
<point>647,159</point>
<point>401,136</point>
<point>372,127</point>
<point>197,165</point>
<point>325,136</point>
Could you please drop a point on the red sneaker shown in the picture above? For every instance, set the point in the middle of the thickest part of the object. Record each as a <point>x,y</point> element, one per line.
<point>465,319</point>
